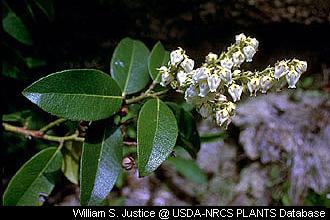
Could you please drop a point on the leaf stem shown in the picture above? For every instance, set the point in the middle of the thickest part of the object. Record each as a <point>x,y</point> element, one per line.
<point>144,96</point>
<point>52,124</point>
<point>38,134</point>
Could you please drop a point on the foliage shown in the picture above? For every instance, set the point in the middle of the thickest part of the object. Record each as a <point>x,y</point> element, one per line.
<point>120,109</point>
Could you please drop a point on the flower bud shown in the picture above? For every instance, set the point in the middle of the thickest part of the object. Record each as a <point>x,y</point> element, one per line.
<point>249,52</point>
<point>235,91</point>
<point>236,72</point>
<point>176,56</point>
<point>265,83</point>
<point>181,77</point>
<point>239,38</point>
<point>203,88</point>
<point>205,110</point>
<point>238,58</point>
<point>253,86</point>
<point>281,69</point>
<point>187,65</point>
<point>211,57</point>
<point>227,63</point>
<point>213,82</point>
<point>200,74</point>
<point>225,75</point>
<point>292,78</point>
<point>219,98</point>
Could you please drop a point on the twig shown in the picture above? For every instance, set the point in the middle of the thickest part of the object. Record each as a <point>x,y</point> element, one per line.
<point>144,96</point>
<point>40,135</point>
<point>52,124</point>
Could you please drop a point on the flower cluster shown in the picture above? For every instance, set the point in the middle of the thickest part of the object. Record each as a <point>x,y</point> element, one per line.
<point>214,87</point>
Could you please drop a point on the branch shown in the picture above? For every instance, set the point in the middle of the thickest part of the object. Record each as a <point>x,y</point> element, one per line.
<point>52,124</point>
<point>39,134</point>
<point>144,96</point>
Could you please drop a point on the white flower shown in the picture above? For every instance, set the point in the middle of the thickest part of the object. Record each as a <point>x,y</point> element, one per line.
<point>187,65</point>
<point>253,86</point>
<point>213,82</point>
<point>265,83</point>
<point>181,77</point>
<point>236,72</point>
<point>235,91</point>
<point>281,69</point>
<point>203,88</point>
<point>190,93</point>
<point>239,38</point>
<point>249,52</point>
<point>301,66</point>
<point>205,110</point>
<point>225,75</point>
<point>176,56</point>
<point>292,78</point>
<point>221,116</point>
<point>254,43</point>
<point>238,58</point>
<point>166,76</point>
<point>200,74</point>
<point>211,57</point>
<point>227,63</point>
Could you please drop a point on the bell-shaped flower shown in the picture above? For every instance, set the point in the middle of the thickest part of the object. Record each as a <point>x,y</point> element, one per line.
<point>211,58</point>
<point>225,75</point>
<point>227,63</point>
<point>187,65</point>
<point>213,82</point>
<point>221,116</point>
<point>301,66</point>
<point>238,58</point>
<point>235,91</point>
<point>203,88</point>
<point>181,77</point>
<point>292,78</point>
<point>239,38</point>
<point>253,86</point>
<point>177,56</point>
<point>281,69</point>
<point>220,98</point>
<point>249,52</point>
<point>265,83</point>
<point>190,93</point>
<point>166,76</point>
<point>254,43</point>
<point>200,74</point>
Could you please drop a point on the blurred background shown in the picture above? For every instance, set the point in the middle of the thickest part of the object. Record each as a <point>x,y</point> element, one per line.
<point>277,150</point>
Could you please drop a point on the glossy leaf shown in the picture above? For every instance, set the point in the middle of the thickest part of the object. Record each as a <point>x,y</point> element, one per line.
<point>189,169</point>
<point>81,94</point>
<point>15,27</point>
<point>100,164</point>
<point>157,131</point>
<point>158,57</point>
<point>34,180</point>
<point>188,137</point>
<point>129,65</point>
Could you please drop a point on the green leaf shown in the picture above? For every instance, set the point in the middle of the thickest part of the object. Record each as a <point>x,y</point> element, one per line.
<point>157,131</point>
<point>129,65</point>
<point>35,179</point>
<point>189,169</point>
<point>100,164</point>
<point>47,7</point>
<point>32,62</point>
<point>71,154</point>
<point>188,137</point>
<point>81,94</point>
<point>15,27</point>
<point>158,57</point>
